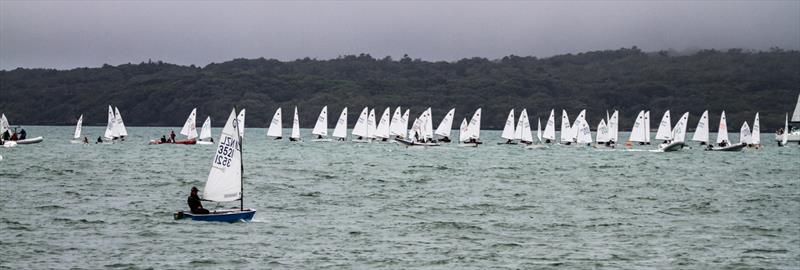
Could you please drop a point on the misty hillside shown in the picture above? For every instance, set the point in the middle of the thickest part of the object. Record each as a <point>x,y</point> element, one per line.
<point>629,80</point>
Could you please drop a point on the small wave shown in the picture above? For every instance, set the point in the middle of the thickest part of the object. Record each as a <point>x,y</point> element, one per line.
<point>311,194</point>
<point>760,250</point>
<point>450,225</point>
<point>202,262</point>
<point>49,207</point>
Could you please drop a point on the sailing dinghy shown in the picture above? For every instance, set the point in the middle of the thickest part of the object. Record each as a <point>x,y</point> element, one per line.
<point>382,131</point>
<point>446,126</point>
<point>276,126</point>
<point>189,129</point>
<point>755,140</point>
<point>523,130</point>
<point>205,133</point>
<point>508,129</point>
<point>723,143</point>
<point>225,180</point>
<point>77,137</point>
<point>473,131</point>
<point>677,137</point>
<point>5,126</point>
<point>340,131</point>
<point>421,133</point>
<point>321,127</point>
<point>792,134</point>
<point>361,129</point>
<point>295,137</point>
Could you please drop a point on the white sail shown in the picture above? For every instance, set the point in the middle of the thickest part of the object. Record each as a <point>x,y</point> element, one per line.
<point>539,129</point>
<point>796,114</point>
<point>361,124</point>
<point>647,126</point>
<point>371,127</point>
<point>744,134</point>
<point>602,132</point>
<point>475,125</point>
<point>756,133</point>
<point>224,182</point>
<point>110,126</point>
<point>679,131</point>
<point>295,125</point>
<point>340,131</point>
<point>584,133</point>
<point>550,127</point>
<point>508,129</point>
<point>276,126</point>
<point>638,130</point>
<point>404,125</point>
<point>321,128</point>
<point>581,116</point>
<point>415,133</point>
<point>190,126</point>
<point>463,131</point>
<point>613,126</point>
<point>78,127</point>
<point>665,128</point>
<point>428,127</point>
<point>384,125</point>
<point>565,128</point>
<point>785,138</point>
<point>4,125</point>
<point>119,125</point>
<point>524,127</point>
<point>396,129</point>
<point>701,132</point>
<point>722,132</point>
<point>205,131</point>
<point>447,124</point>
<point>240,120</point>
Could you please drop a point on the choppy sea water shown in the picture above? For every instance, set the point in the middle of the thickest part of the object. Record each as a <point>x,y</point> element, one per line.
<point>381,205</point>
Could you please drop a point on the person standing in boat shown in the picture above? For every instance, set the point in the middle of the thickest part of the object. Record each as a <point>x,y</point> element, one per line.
<point>6,136</point>
<point>172,136</point>
<point>194,203</point>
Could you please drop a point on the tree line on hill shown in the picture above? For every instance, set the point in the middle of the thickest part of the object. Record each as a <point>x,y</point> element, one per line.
<point>628,79</point>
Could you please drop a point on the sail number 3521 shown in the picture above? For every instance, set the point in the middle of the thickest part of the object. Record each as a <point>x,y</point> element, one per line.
<point>224,155</point>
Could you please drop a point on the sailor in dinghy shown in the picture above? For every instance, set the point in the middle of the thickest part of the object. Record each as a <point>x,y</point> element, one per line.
<point>225,180</point>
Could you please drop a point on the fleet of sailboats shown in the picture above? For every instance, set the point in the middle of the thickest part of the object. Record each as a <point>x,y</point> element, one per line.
<point>517,129</point>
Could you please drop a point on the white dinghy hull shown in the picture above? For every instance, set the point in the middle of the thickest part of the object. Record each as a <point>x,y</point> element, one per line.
<point>31,140</point>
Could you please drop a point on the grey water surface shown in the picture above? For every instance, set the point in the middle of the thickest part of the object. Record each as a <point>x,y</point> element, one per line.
<point>381,205</point>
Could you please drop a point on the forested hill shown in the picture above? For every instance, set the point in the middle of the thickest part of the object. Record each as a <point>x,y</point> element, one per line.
<point>739,82</point>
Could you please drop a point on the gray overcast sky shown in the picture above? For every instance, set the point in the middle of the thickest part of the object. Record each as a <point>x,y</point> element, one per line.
<point>67,34</point>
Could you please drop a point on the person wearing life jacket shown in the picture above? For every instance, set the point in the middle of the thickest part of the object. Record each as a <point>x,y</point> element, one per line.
<point>194,203</point>
<point>172,136</point>
<point>85,140</point>
<point>23,134</point>
<point>99,139</point>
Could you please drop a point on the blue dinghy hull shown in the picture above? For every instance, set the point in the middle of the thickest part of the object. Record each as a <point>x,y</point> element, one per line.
<point>225,215</point>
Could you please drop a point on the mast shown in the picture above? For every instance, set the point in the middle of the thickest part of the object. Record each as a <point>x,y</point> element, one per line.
<point>241,164</point>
